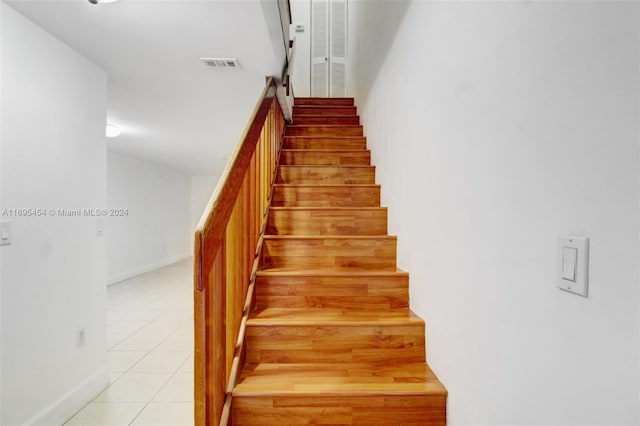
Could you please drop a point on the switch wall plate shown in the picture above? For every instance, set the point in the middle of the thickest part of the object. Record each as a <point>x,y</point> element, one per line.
<point>573,271</point>
<point>5,233</point>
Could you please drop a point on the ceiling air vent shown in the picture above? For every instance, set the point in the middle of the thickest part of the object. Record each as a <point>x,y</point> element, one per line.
<point>221,62</point>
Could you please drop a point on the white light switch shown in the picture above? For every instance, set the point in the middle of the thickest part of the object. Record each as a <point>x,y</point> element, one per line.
<point>569,259</point>
<point>5,233</point>
<point>573,274</point>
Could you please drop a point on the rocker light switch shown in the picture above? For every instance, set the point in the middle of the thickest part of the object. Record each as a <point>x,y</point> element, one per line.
<point>573,274</point>
<point>569,259</point>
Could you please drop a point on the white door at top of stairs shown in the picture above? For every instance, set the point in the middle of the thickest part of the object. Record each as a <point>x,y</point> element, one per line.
<point>328,48</point>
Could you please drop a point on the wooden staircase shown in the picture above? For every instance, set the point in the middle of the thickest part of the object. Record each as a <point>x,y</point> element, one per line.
<point>331,339</point>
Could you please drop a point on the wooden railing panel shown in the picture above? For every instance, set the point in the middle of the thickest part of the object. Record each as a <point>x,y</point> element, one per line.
<point>230,284</point>
<point>227,245</point>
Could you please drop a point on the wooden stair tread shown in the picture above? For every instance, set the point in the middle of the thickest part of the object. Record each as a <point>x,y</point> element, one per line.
<point>324,151</point>
<point>346,137</point>
<point>324,101</point>
<point>329,185</point>
<point>336,379</point>
<point>328,166</point>
<point>350,137</point>
<point>325,142</point>
<point>332,110</point>
<point>331,237</point>
<point>324,130</point>
<point>323,116</point>
<point>332,272</point>
<point>345,209</point>
<point>338,126</point>
<point>337,271</point>
<point>332,317</point>
<point>301,106</point>
<point>326,120</point>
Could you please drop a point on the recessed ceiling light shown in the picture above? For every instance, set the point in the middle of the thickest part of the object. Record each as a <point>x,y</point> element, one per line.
<point>113,131</point>
<point>102,1</point>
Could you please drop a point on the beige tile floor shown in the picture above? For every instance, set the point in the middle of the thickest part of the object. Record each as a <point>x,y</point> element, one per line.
<point>150,352</point>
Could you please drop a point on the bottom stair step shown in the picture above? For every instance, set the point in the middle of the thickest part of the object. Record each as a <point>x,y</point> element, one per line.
<point>365,394</point>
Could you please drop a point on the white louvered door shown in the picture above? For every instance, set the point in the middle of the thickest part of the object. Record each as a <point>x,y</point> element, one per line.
<point>328,48</point>
<point>337,48</point>
<point>320,48</point>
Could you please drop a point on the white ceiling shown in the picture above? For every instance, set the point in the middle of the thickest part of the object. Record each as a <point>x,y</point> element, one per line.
<point>172,108</point>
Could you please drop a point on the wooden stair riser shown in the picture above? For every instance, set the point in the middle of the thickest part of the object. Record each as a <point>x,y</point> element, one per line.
<point>301,175</point>
<point>329,252</point>
<point>353,292</point>
<point>335,343</point>
<point>306,120</point>
<point>326,196</point>
<point>324,102</point>
<point>364,394</point>
<point>308,378</point>
<point>331,111</point>
<point>325,143</point>
<point>324,158</point>
<point>336,221</point>
<point>371,410</point>
<point>319,130</point>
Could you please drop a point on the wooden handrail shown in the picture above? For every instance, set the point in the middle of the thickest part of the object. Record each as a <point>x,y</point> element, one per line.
<point>227,247</point>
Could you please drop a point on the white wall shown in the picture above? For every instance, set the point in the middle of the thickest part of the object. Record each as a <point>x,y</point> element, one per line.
<point>201,190</point>
<point>156,230</point>
<point>301,79</point>
<point>1,26</point>
<point>497,127</point>
<point>53,275</point>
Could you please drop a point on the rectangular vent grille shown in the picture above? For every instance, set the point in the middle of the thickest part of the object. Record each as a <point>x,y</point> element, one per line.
<point>221,62</point>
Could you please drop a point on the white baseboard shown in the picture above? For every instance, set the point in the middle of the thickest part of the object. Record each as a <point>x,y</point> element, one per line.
<point>68,404</point>
<point>145,268</point>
